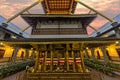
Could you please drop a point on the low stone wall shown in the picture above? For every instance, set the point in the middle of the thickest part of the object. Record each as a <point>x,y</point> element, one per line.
<point>58,76</point>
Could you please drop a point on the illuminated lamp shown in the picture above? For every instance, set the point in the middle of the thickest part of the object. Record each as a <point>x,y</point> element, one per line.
<point>87,48</point>
<point>1,44</point>
<point>117,42</point>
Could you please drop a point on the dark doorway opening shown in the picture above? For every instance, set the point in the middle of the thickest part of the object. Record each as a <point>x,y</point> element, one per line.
<point>2,52</point>
<point>118,51</point>
<point>98,55</point>
<point>108,55</point>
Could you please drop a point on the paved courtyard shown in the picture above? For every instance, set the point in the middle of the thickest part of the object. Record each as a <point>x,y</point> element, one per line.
<point>95,76</point>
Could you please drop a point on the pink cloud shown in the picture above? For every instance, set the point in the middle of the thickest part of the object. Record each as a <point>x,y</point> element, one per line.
<point>96,24</point>
<point>109,8</point>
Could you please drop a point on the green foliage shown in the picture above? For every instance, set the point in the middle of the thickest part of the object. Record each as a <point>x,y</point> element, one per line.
<point>11,69</point>
<point>98,66</point>
<point>113,65</point>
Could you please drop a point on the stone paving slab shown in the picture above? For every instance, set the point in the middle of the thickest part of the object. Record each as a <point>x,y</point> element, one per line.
<point>17,76</point>
<point>96,75</point>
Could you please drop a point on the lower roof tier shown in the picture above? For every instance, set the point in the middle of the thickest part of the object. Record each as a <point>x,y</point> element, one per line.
<point>86,42</point>
<point>61,40</point>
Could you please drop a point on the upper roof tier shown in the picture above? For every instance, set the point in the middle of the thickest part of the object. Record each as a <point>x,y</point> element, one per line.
<point>59,6</point>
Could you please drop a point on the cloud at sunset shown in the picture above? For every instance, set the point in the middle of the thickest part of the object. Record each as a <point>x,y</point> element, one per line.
<point>109,8</point>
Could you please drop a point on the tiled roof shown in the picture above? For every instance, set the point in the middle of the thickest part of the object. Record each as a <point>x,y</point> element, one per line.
<point>12,27</point>
<point>106,27</point>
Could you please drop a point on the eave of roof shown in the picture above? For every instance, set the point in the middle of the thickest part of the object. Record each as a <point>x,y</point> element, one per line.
<point>32,19</point>
<point>100,34</point>
<point>9,31</point>
<point>60,40</point>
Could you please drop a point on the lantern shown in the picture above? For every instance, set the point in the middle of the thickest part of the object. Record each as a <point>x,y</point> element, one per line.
<point>55,62</point>
<point>48,62</point>
<point>70,60</point>
<point>78,61</point>
<point>62,61</point>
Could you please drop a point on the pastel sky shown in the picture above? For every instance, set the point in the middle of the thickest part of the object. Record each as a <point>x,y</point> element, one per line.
<point>110,8</point>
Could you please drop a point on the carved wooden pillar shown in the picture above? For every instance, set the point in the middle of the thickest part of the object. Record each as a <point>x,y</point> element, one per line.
<point>73,56</point>
<point>45,56</point>
<point>51,52</point>
<point>40,61</point>
<point>67,46</point>
<point>36,61</point>
<point>82,60</point>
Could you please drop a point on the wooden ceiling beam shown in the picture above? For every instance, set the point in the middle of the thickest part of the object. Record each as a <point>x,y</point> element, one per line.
<point>47,6</point>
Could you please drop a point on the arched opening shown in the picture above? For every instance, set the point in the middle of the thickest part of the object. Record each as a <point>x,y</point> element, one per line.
<point>98,55</point>
<point>118,51</point>
<point>2,52</point>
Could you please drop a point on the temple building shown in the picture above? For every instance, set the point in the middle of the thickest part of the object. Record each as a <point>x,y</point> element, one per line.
<point>58,59</point>
<point>59,43</point>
